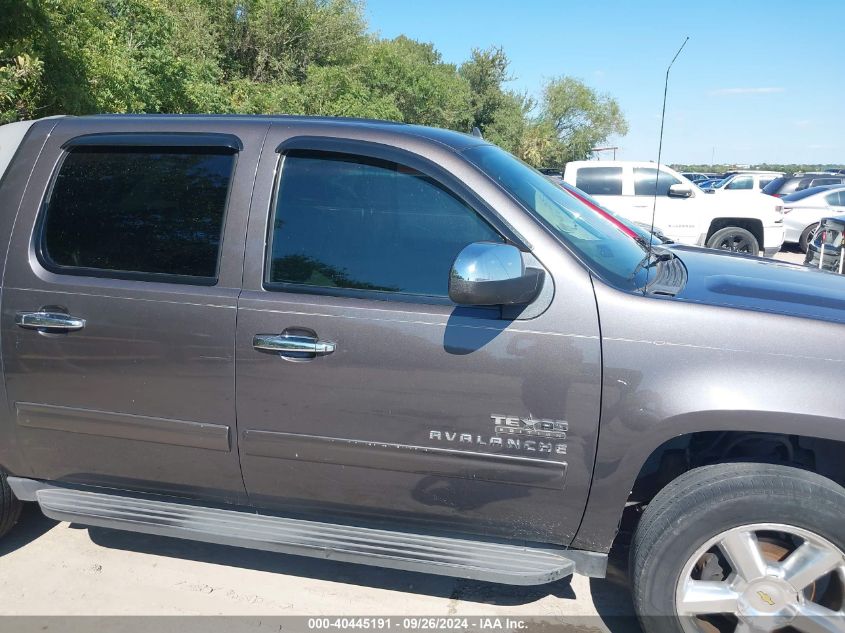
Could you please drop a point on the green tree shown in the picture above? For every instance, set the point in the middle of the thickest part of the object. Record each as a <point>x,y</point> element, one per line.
<point>280,40</point>
<point>581,117</point>
<point>276,56</point>
<point>20,87</point>
<point>500,115</point>
<point>412,75</point>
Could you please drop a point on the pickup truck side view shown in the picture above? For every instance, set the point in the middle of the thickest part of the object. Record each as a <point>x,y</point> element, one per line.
<point>400,346</point>
<point>746,222</point>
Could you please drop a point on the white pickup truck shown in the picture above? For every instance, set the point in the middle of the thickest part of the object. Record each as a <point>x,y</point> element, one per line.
<point>683,212</point>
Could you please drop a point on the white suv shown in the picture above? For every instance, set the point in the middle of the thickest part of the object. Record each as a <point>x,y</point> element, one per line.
<point>683,212</point>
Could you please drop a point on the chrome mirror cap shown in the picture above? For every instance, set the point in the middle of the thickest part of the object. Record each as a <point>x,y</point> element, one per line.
<point>491,273</point>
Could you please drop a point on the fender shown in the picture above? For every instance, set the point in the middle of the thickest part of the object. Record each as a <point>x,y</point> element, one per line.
<point>671,368</point>
<point>617,468</point>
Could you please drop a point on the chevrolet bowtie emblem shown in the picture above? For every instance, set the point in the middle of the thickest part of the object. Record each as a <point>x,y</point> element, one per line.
<point>766,598</point>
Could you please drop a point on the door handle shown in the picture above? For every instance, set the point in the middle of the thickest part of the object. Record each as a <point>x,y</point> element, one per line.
<point>43,320</point>
<point>292,344</point>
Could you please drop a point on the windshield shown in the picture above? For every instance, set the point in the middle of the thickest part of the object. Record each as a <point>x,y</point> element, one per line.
<point>598,242</point>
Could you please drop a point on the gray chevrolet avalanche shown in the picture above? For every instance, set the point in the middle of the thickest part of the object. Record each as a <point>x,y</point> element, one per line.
<point>400,346</point>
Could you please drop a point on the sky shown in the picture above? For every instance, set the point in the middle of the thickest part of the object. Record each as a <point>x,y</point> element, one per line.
<point>758,81</point>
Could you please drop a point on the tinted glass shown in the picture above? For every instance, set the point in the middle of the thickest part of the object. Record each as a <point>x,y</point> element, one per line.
<point>647,182</point>
<point>597,241</point>
<point>600,181</point>
<point>804,193</point>
<point>817,182</point>
<point>741,182</point>
<point>779,185</point>
<point>764,182</point>
<point>138,210</point>
<point>835,198</point>
<point>351,222</point>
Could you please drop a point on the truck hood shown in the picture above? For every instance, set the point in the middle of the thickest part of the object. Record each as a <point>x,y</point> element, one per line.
<point>721,278</point>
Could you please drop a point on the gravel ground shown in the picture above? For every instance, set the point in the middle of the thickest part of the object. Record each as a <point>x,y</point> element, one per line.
<point>49,568</point>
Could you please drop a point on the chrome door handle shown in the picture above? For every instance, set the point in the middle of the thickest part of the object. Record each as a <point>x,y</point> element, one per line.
<point>43,320</point>
<point>291,344</point>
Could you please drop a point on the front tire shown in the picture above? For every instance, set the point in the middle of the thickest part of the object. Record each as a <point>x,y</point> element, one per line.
<point>734,548</point>
<point>734,239</point>
<point>10,506</point>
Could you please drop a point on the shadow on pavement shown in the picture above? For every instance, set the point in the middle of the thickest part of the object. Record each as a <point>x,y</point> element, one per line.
<point>31,524</point>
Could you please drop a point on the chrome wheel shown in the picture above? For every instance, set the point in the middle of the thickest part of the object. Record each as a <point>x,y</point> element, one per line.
<point>763,577</point>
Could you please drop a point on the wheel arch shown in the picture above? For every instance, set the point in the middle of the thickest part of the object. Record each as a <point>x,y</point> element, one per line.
<point>752,225</point>
<point>616,483</point>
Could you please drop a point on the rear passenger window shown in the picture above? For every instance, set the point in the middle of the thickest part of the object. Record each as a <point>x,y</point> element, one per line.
<point>600,181</point>
<point>836,198</point>
<point>344,221</point>
<point>130,211</point>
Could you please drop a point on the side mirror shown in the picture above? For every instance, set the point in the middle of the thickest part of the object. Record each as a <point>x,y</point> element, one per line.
<point>489,273</point>
<point>679,190</point>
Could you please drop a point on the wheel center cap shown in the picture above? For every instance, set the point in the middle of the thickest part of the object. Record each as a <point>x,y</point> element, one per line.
<point>769,597</point>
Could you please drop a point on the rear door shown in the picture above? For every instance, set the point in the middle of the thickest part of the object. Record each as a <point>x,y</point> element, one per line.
<point>119,306</point>
<point>606,185</point>
<point>407,409</point>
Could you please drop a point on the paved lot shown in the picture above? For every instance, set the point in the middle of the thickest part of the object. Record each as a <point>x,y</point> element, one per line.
<point>49,568</point>
<point>791,254</point>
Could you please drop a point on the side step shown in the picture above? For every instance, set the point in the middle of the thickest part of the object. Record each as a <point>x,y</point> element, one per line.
<point>446,556</point>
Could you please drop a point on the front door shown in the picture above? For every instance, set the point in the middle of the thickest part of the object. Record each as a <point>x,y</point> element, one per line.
<point>676,217</point>
<point>364,393</point>
<point>119,309</point>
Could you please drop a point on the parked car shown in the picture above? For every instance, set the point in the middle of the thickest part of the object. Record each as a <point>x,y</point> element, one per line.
<point>399,346</point>
<point>745,181</point>
<point>710,182</point>
<point>825,251</point>
<point>695,177</point>
<point>786,185</point>
<point>749,224</point>
<point>803,210</point>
